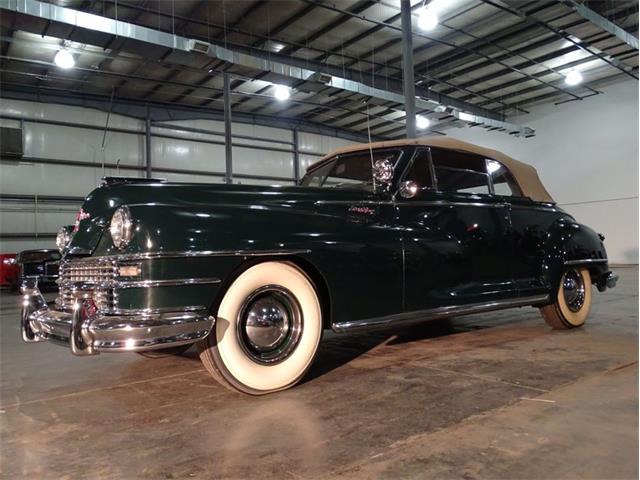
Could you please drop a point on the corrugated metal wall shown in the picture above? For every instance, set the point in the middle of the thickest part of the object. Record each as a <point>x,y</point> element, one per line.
<point>67,151</point>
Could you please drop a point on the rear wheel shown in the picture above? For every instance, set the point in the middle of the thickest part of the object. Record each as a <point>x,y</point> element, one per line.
<point>572,302</point>
<point>165,352</point>
<point>267,331</point>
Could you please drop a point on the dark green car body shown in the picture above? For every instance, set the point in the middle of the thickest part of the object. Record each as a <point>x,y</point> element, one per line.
<point>374,257</point>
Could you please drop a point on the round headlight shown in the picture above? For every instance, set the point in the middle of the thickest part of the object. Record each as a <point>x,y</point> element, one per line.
<point>63,238</point>
<point>121,227</point>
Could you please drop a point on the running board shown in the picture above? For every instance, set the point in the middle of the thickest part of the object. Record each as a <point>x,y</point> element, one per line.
<point>410,318</point>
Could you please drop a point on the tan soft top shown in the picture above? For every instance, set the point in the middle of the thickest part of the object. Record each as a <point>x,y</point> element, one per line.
<point>525,175</point>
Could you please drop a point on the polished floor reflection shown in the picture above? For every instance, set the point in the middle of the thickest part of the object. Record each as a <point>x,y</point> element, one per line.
<point>489,396</point>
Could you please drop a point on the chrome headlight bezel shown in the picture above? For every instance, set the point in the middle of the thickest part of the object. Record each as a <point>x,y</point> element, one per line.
<point>63,237</point>
<point>121,227</point>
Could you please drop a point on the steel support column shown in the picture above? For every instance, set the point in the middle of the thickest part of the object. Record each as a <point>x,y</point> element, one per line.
<point>147,145</point>
<point>228,145</point>
<point>296,156</point>
<point>409,87</point>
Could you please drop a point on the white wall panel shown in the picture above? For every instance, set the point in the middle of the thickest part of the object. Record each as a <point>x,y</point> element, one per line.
<point>13,245</point>
<point>52,111</point>
<point>262,162</point>
<point>186,155</point>
<point>184,178</point>
<point>311,142</point>
<point>587,156</point>
<point>84,145</point>
<point>34,178</point>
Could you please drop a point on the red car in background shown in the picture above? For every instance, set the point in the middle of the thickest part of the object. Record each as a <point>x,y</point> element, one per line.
<point>9,270</point>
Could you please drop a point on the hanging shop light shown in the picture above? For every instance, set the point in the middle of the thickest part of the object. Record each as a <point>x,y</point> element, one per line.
<point>282,92</point>
<point>428,18</point>
<point>422,122</point>
<point>64,59</point>
<point>573,78</point>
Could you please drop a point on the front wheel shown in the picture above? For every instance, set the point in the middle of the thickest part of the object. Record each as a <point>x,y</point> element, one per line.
<point>267,330</point>
<point>573,301</point>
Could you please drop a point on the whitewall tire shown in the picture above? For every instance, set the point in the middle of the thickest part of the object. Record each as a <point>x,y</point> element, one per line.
<point>267,330</point>
<point>572,302</point>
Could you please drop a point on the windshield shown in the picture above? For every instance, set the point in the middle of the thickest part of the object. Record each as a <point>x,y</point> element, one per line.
<point>351,171</point>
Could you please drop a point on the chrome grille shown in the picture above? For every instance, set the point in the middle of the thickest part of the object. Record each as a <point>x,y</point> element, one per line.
<point>90,279</point>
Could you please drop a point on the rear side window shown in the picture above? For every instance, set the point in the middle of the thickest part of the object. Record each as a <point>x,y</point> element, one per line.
<point>503,182</point>
<point>460,172</point>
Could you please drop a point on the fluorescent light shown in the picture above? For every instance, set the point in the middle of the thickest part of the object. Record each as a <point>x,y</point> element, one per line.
<point>573,78</point>
<point>422,122</point>
<point>64,59</point>
<point>281,92</point>
<point>428,19</point>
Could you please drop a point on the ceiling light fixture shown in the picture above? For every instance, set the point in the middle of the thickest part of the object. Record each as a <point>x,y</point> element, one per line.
<point>422,122</point>
<point>428,19</point>
<point>64,59</point>
<point>281,92</point>
<point>573,78</point>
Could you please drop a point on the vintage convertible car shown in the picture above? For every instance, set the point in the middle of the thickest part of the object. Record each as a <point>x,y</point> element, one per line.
<point>376,236</point>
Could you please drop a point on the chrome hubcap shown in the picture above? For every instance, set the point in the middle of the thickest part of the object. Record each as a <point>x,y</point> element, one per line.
<point>269,324</point>
<point>573,290</point>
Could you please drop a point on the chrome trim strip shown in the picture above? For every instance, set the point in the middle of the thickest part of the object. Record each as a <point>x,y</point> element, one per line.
<point>569,263</point>
<point>444,203</point>
<point>408,318</point>
<point>151,311</point>
<point>165,283</point>
<point>188,254</point>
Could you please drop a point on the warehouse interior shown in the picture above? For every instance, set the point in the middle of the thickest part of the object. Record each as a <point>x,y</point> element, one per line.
<point>253,92</point>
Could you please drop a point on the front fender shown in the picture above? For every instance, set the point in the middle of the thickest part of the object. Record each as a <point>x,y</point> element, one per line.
<point>571,243</point>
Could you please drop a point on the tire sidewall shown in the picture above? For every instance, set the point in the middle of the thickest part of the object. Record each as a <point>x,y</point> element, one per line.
<point>575,319</point>
<point>223,344</point>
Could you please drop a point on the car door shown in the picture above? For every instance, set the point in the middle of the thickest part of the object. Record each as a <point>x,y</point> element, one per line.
<point>530,222</point>
<point>456,238</point>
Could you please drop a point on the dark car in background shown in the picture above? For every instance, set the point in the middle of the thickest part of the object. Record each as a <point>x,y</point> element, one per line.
<point>42,265</point>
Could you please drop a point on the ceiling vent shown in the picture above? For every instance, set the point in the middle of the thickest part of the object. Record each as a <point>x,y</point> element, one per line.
<point>199,46</point>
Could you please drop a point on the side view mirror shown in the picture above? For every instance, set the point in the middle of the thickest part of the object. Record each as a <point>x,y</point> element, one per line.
<point>383,172</point>
<point>408,189</point>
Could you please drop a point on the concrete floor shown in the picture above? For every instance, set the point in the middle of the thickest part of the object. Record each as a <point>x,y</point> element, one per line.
<point>489,396</point>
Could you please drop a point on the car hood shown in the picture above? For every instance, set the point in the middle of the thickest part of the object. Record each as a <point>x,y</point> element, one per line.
<point>100,204</point>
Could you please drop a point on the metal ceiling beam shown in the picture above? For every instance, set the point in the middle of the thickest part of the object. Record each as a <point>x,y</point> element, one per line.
<point>603,23</point>
<point>162,111</point>
<point>501,5</point>
<point>294,69</point>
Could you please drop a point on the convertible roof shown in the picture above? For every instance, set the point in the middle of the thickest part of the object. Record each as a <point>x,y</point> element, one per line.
<point>525,175</point>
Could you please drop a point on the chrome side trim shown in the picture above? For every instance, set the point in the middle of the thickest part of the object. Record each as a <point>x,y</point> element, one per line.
<point>188,254</point>
<point>165,283</point>
<point>408,318</point>
<point>152,311</point>
<point>569,263</point>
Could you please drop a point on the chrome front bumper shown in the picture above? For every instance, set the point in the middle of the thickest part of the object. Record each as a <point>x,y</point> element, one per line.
<point>88,332</point>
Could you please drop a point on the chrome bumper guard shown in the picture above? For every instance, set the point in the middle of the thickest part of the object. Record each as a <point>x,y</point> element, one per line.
<point>88,332</point>
<point>611,279</point>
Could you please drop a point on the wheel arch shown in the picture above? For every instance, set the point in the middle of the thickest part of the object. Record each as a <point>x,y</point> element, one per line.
<point>569,243</point>
<point>310,270</point>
